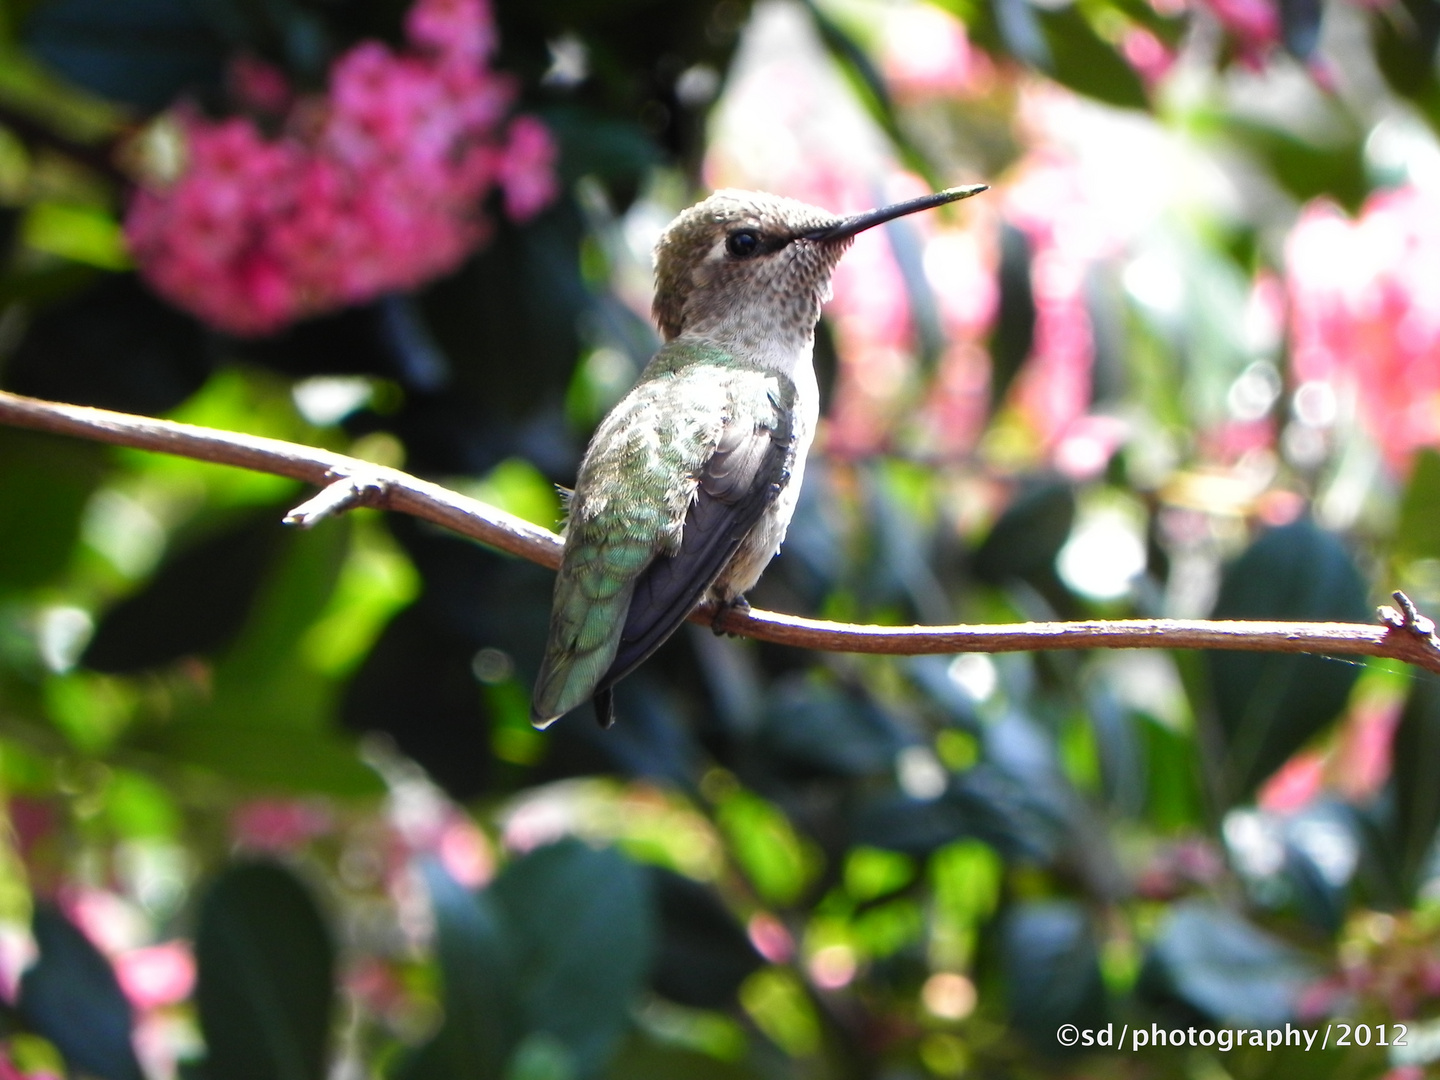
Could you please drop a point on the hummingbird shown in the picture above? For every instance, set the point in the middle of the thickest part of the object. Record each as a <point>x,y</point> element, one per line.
<point>689,483</point>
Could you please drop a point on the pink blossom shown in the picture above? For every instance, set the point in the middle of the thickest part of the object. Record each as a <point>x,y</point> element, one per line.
<point>1365,313</point>
<point>927,53</point>
<point>156,975</point>
<point>1151,58</point>
<point>10,1071</point>
<point>1295,785</point>
<point>527,169</point>
<point>458,29</point>
<point>373,187</point>
<point>258,86</point>
<point>1254,24</point>
<point>771,938</point>
<point>279,825</point>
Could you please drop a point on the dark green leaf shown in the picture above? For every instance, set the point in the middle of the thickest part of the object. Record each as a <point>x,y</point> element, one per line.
<point>1083,61</point>
<point>1417,780</point>
<point>141,52</point>
<point>1023,543</point>
<point>72,997</point>
<point>1269,704</point>
<point>479,998</point>
<point>646,1059</point>
<point>1300,26</point>
<point>1225,968</point>
<point>195,604</point>
<point>1052,970</point>
<point>1308,170</point>
<point>1014,332</point>
<point>704,954</point>
<point>115,346</point>
<point>265,970</point>
<point>1019,26</point>
<point>815,729</point>
<point>583,934</point>
<point>1405,37</point>
<point>46,482</point>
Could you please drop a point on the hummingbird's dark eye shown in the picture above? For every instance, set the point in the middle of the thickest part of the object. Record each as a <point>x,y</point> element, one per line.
<point>743,243</point>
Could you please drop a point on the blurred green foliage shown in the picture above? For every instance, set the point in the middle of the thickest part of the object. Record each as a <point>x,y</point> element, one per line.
<point>286,783</point>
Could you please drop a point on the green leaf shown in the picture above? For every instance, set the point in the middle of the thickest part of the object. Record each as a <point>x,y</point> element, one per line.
<point>1052,969</point>
<point>703,954</point>
<point>1305,169</point>
<point>1418,534</point>
<point>583,934</point>
<point>195,604</point>
<point>1300,26</point>
<point>265,989</point>
<point>1085,62</point>
<point>646,1059</point>
<point>45,482</point>
<point>1024,541</point>
<point>269,717</point>
<point>1233,972</point>
<point>482,1023</point>
<point>142,52</point>
<point>72,997</point>
<point>1268,705</point>
<point>1014,333</point>
<point>1405,49</point>
<point>1416,755</point>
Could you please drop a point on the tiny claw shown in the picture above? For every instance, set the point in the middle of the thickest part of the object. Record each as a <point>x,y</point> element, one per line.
<point>739,605</point>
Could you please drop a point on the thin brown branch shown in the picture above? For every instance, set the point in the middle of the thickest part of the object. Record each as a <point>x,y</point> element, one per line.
<point>345,482</point>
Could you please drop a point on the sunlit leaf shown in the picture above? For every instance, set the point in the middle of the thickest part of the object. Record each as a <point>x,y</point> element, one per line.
<point>1417,535</point>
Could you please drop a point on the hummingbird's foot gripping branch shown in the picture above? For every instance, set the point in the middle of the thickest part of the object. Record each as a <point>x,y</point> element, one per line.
<point>739,605</point>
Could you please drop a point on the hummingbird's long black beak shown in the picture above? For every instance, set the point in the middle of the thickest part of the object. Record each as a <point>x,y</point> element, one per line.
<point>870,218</point>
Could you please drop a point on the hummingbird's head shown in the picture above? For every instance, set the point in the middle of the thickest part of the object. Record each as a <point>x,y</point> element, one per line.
<point>747,257</point>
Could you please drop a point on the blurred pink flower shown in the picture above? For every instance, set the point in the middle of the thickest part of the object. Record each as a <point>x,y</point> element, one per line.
<point>1365,313</point>
<point>1151,58</point>
<point>278,825</point>
<point>10,1071</point>
<point>1049,203</point>
<point>1253,24</point>
<point>374,187</point>
<point>258,86</point>
<point>527,169</point>
<point>1362,762</point>
<point>1295,785</point>
<point>771,938</point>
<point>925,52</point>
<point>111,922</point>
<point>156,975</point>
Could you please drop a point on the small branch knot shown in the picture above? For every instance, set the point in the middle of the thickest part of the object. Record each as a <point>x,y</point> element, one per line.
<point>346,492</point>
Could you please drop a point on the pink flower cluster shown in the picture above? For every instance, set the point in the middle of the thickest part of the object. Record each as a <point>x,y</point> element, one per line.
<point>1365,313</point>
<point>373,187</point>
